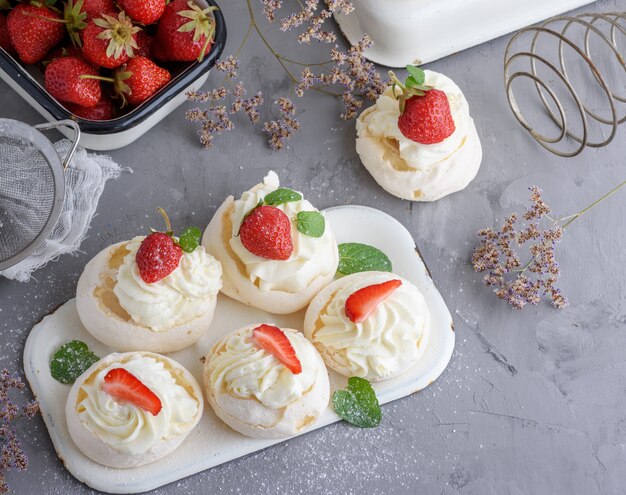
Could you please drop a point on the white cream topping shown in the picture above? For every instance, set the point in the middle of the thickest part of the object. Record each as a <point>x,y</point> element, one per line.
<point>245,371</point>
<point>382,122</point>
<point>183,295</point>
<point>312,257</point>
<point>128,428</point>
<point>388,342</point>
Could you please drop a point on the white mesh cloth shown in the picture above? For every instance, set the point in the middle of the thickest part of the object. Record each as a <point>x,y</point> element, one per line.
<point>84,181</point>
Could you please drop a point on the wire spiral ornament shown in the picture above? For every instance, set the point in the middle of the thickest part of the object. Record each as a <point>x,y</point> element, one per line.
<point>548,55</point>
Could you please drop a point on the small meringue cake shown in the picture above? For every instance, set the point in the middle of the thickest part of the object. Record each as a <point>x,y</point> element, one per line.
<point>420,147</point>
<point>130,305</point>
<point>132,409</point>
<point>275,248</point>
<point>373,325</point>
<point>266,382</point>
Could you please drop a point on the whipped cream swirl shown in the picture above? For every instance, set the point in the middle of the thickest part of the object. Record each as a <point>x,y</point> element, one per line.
<point>128,428</point>
<point>312,257</point>
<point>183,295</point>
<point>245,371</point>
<point>387,343</point>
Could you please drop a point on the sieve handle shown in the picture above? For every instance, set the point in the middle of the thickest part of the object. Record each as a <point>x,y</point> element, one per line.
<point>64,123</point>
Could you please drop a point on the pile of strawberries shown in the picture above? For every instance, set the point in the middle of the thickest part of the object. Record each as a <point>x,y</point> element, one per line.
<point>102,57</point>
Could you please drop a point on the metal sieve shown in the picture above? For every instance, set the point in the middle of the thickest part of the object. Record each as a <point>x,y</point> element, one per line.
<point>32,186</point>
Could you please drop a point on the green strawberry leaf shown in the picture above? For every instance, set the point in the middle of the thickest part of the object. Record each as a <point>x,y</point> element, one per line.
<point>358,404</point>
<point>311,223</point>
<point>355,257</point>
<point>281,196</point>
<point>416,74</point>
<point>71,360</point>
<point>189,240</point>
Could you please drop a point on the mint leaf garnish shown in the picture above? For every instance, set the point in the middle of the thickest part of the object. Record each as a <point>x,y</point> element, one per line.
<point>416,76</point>
<point>281,196</point>
<point>311,223</point>
<point>358,404</point>
<point>355,257</point>
<point>189,240</point>
<point>71,360</point>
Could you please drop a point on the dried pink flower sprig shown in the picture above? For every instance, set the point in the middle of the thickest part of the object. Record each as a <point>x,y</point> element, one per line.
<point>13,456</point>
<point>497,254</point>
<point>347,75</point>
<point>216,119</point>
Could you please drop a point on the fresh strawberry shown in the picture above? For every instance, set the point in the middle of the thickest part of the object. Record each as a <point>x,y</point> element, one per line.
<point>427,119</point>
<point>157,257</point>
<point>126,387</point>
<point>109,41</point>
<point>273,340</point>
<point>185,32</point>
<point>143,11</point>
<point>139,79</point>
<point>144,42</point>
<point>363,302</point>
<point>102,111</point>
<point>34,31</point>
<point>64,51</point>
<point>5,40</point>
<point>65,81</point>
<point>425,115</point>
<point>266,232</point>
<point>95,8</point>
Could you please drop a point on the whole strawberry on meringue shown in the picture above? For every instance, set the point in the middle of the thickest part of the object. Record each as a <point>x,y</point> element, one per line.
<point>418,140</point>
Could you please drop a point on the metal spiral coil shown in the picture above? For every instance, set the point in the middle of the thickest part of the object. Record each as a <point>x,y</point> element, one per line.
<point>547,52</point>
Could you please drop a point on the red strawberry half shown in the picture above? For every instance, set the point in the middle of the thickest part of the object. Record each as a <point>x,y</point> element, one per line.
<point>34,31</point>
<point>427,119</point>
<point>273,340</point>
<point>363,302</point>
<point>157,257</point>
<point>64,80</point>
<point>266,232</point>
<point>126,387</point>
<point>185,32</point>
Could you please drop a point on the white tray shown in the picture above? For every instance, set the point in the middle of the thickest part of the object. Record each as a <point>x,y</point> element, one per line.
<point>212,442</point>
<point>406,31</point>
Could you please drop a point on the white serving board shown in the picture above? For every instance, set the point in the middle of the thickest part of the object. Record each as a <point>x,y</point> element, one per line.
<point>406,31</point>
<point>212,442</point>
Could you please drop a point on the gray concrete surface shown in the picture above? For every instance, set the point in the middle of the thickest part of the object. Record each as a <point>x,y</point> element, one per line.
<point>533,402</point>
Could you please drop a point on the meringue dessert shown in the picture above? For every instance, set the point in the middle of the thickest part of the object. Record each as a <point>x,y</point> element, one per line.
<point>275,248</point>
<point>130,305</point>
<point>131,409</point>
<point>373,325</point>
<point>266,382</point>
<point>418,140</point>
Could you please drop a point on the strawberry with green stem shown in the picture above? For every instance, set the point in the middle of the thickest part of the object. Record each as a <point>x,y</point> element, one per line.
<point>109,41</point>
<point>160,252</point>
<point>72,80</point>
<point>425,115</point>
<point>137,80</point>
<point>185,32</point>
<point>77,13</point>
<point>34,30</point>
